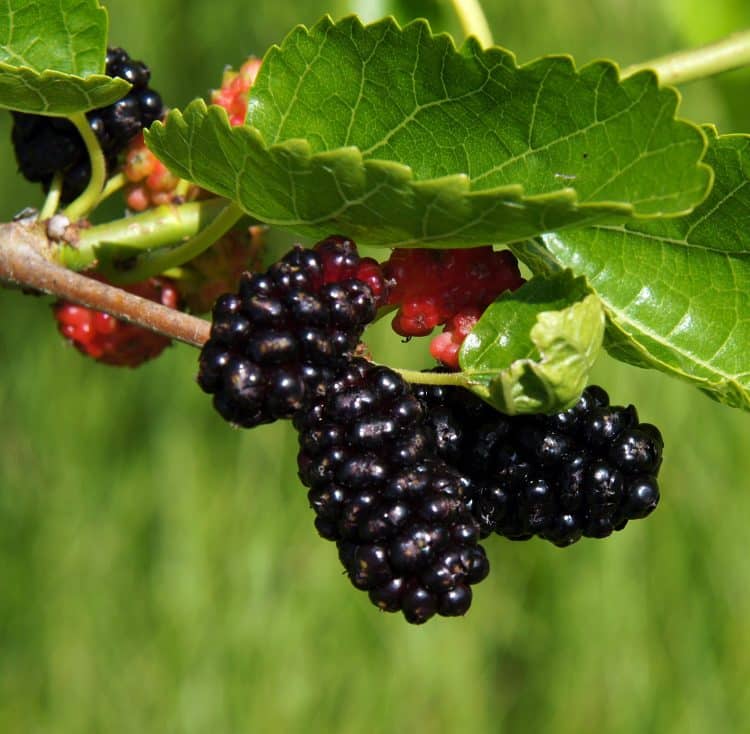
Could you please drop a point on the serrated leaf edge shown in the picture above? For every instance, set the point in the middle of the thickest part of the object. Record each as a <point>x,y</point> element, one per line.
<point>472,45</point>
<point>120,87</point>
<point>512,193</point>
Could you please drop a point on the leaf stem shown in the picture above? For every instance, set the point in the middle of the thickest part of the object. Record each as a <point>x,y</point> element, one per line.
<point>729,53</point>
<point>158,227</point>
<point>153,263</point>
<point>23,263</point>
<point>473,20</point>
<point>457,379</point>
<point>81,206</point>
<point>53,197</point>
<point>113,185</point>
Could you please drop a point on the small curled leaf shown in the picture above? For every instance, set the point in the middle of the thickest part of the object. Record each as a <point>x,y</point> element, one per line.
<point>532,350</point>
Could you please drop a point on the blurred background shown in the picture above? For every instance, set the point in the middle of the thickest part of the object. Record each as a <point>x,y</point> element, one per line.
<point>159,571</point>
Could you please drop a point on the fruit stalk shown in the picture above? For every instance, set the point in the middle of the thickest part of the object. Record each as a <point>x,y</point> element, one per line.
<point>159,227</point>
<point>729,53</point>
<point>24,262</point>
<point>87,200</point>
<point>149,264</point>
<point>473,21</point>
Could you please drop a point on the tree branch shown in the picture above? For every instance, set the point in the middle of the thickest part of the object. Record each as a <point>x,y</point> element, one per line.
<point>25,261</point>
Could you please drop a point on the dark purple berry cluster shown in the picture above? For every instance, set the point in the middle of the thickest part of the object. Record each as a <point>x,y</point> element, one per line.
<point>45,145</point>
<point>282,347</point>
<point>397,512</point>
<point>582,472</point>
<point>275,343</point>
<point>406,479</point>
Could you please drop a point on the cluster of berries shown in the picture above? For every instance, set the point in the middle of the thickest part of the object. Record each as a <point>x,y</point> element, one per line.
<point>283,347</point>
<point>46,145</point>
<point>398,513</point>
<point>110,340</point>
<point>150,184</point>
<point>450,287</point>
<point>406,479</point>
<point>582,472</point>
<point>275,341</point>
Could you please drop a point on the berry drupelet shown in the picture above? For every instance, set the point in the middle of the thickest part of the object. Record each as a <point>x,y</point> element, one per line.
<point>429,287</point>
<point>45,145</point>
<point>109,340</point>
<point>275,342</point>
<point>234,93</point>
<point>397,512</point>
<point>582,472</point>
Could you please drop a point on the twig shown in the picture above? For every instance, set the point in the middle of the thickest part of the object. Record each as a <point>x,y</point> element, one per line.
<point>24,261</point>
<point>729,53</point>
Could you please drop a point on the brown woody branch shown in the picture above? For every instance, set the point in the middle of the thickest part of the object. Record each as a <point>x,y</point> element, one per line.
<point>25,261</point>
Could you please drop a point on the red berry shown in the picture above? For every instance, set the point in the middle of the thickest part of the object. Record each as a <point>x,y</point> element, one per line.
<point>416,318</point>
<point>431,286</point>
<point>150,182</point>
<point>235,90</point>
<point>445,346</point>
<point>109,340</point>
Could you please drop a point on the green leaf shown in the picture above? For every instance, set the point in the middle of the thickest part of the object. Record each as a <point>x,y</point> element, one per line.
<point>677,292</point>
<point>394,137</point>
<point>52,55</point>
<point>53,93</point>
<point>533,349</point>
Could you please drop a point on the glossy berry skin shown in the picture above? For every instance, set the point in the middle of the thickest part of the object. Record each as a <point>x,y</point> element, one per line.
<point>274,343</point>
<point>45,145</point>
<point>397,512</point>
<point>446,346</point>
<point>109,340</point>
<point>341,261</point>
<point>584,472</point>
<point>430,287</point>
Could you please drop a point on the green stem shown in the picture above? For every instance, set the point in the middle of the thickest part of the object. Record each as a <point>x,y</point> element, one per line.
<point>81,206</point>
<point>53,197</point>
<point>153,263</point>
<point>457,379</point>
<point>154,228</point>
<point>473,20</point>
<point>729,53</point>
<point>113,184</point>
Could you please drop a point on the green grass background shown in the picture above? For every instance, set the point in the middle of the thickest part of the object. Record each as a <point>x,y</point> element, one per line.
<point>159,572</point>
